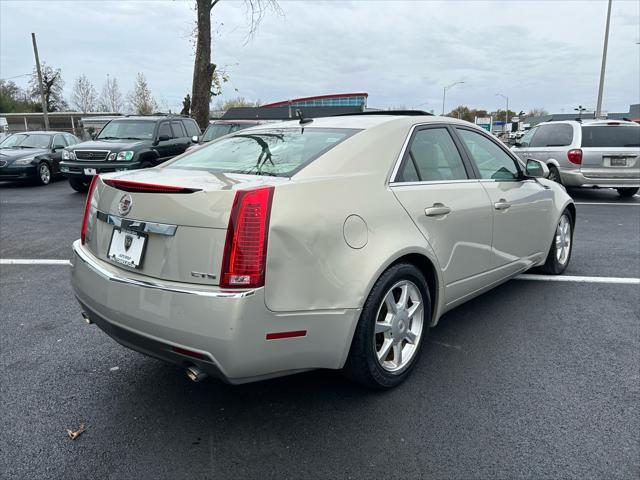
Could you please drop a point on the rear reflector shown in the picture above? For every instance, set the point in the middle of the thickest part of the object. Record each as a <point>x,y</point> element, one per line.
<point>575,156</point>
<point>87,209</point>
<point>292,334</point>
<point>188,353</point>
<point>245,250</point>
<point>139,187</point>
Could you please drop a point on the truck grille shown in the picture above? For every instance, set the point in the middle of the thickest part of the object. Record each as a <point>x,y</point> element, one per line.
<point>93,155</point>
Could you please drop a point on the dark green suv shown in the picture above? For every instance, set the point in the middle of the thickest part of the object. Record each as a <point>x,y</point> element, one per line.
<point>128,143</point>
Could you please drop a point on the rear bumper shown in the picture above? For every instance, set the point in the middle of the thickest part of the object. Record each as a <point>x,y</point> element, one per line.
<point>227,328</point>
<point>75,168</point>
<point>605,178</point>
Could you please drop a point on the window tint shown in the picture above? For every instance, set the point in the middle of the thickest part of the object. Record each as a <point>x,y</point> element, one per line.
<point>280,152</point>
<point>178,130</point>
<point>192,128</point>
<point>493,162</point>
<point>553,135</point>
<point>611,136</point>
<point>433,157</point>
<point>525,140</point>
<point>59,141</point>
<point>165,129</point>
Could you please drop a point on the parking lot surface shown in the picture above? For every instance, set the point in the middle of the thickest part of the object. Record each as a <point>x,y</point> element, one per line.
<point>534,379</point>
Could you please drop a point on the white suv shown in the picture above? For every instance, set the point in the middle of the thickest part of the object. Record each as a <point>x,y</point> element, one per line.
<point>591,153</point>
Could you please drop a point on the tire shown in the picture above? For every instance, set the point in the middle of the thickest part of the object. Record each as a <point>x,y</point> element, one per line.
<point>43,174</point>
<point>554,174</point>
<point>627,192</point>
<point>79,184</point>
<point>363,364</point>
<point>557,260</point>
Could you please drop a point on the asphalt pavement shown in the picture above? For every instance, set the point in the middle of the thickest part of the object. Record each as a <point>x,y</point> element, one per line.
<point>531,380</point>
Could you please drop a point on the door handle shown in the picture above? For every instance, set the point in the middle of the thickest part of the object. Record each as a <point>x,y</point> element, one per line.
<point>501,204</point>
<point>437,210</point>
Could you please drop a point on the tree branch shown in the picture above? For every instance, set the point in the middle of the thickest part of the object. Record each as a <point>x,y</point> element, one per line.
<point>213,4</point>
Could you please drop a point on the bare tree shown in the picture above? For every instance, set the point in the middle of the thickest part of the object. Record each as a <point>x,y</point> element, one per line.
<point>537,112</point>
<point>83,96</point>
<point>111,99</point>
<point>52,84</point>
<point>140,99</point>
<point>186,105</point>
<point>204,72</point>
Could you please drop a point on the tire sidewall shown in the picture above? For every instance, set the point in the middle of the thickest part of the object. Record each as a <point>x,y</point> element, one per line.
<point>39,176</point>
<point>554,266</point>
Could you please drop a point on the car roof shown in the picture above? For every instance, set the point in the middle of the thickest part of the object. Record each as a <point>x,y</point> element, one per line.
<point>152,118</point>
<point>590,122</point>
<point>49,132</point>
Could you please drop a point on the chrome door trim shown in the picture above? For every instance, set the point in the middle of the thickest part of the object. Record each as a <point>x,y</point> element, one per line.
<point>138,225</point>
<point>81,255</point>
<point>432,182</point>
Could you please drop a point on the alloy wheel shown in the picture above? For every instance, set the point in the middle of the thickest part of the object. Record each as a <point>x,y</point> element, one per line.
<point>563,240</point>
<point>399,326</point>
<point>45,173</point>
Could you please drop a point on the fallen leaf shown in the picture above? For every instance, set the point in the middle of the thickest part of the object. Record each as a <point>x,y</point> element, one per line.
<point>73,435</point>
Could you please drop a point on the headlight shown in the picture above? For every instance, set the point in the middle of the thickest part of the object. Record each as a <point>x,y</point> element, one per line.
<point>68,155</point>
<point>24,161</point>
<point>126,155</point>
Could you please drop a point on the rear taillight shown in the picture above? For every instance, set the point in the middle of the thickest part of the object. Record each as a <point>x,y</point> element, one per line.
<point>245,251</point>
<point>139,187</point>
<point>87,209</point>
<point>575,156</point>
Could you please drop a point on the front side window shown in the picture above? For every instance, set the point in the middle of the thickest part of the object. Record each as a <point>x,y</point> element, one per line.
<point>432,157</point>
<point>553,135</point>
<point>59,142</point>
<point>525,141</point>
<point>274,152</point>
<point>127,130</point>
<point>71,140</point>
<point>165,130</point>
<point>492,162</point>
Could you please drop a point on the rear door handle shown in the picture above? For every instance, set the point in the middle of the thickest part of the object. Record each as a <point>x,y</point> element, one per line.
<point>501,204</point>
<point>437,210</point>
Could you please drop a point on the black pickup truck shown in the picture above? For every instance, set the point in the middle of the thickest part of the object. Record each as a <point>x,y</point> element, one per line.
<point>128,143</point>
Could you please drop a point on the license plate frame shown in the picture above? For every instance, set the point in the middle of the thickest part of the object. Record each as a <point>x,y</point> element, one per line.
<point>119,253</point>
<point>90,171</point>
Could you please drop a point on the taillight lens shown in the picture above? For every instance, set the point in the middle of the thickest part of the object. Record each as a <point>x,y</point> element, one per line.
<point>140,187</point>
<point>87,209</point>
<point>575,156</point>
<point>245,250</point>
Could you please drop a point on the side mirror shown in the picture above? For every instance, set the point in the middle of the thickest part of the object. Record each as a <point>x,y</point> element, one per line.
<point>195,139</point>
<point>163,138</point>
<point>57,147</point>
<point>536,169</point>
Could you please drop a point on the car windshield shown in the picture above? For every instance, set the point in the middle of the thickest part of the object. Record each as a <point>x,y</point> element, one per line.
<point>217,130</point>
<point>128,130</point>
<point>275,152</point>
<point>611,136</point>
<point>23,140</point>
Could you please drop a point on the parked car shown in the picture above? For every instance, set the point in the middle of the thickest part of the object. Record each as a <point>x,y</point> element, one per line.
<point>128,143</point>
<point>33,156</point>
<point>334,243</point>
<point>590,153</point>
<point>220,128</point>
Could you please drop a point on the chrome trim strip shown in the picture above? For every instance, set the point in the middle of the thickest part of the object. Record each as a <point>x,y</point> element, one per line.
<point>432,182</point>
<point>112,277</point>
<point>138,225</point>
<point>91,159</point>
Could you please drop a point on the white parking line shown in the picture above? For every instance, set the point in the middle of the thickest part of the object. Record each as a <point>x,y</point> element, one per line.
<point>578,279</point>
<point>609,203</point>
<point>32,261</point>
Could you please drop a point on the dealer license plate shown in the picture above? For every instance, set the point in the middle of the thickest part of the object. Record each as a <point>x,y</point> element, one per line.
<point>127,247</point>
<point>90,171</point>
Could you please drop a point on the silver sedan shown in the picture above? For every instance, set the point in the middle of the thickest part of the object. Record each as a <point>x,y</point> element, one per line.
<point>334,243</point>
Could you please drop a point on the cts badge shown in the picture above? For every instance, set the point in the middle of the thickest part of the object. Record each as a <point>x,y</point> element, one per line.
<point>124,207</point>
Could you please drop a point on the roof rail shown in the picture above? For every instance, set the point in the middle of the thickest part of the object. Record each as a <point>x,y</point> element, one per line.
<point>157,114</point>
<point>413,113</point>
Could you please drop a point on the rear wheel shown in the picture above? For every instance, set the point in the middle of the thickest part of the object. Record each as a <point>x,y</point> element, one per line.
<point>554,174</point>
<point>560,251</point>
<point>392,329</point>
<point>627,192</point>
<point>79,184</point>
<point>44,174</point>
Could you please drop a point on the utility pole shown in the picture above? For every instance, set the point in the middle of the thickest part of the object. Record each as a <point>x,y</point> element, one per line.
<point>604,62</point>
<point>506,113</point>
<point>44,104</point>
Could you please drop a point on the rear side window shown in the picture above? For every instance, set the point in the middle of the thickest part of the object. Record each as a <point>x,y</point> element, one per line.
<point>178,130</point>
<point>274,152</point>
<point>433,157</point>
<point>553,135</point>
<point>611,136</point>
<point>192,128</point>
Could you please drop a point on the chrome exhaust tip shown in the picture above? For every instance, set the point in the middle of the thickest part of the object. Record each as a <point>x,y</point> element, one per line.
<point>195,374</point>
<point>87,320</point>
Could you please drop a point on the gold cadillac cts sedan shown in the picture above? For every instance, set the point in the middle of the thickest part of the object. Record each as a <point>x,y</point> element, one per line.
<point>329,243</point>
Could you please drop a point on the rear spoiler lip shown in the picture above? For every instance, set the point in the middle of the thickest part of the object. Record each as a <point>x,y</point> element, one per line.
<point>142,187</point>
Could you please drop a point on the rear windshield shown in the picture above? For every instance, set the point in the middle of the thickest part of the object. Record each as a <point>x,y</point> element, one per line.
<point>273,152</point>
<point>611,136</point>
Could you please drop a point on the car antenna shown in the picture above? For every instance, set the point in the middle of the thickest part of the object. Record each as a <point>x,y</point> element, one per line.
<point>303,121</point>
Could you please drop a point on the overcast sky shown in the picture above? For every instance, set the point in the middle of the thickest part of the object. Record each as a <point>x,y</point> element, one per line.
<point>538,53</point>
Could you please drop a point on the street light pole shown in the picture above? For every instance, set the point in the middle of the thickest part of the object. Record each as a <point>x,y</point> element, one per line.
<point>506,113</point>
<point>604,62</point>
<point>444,93</point>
